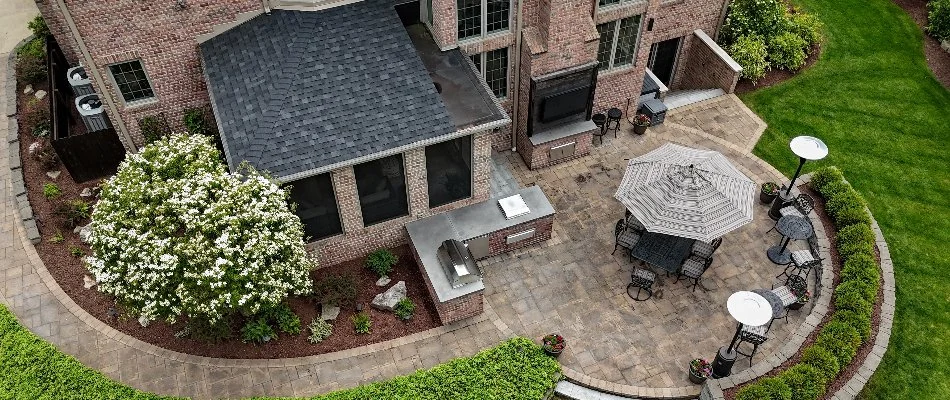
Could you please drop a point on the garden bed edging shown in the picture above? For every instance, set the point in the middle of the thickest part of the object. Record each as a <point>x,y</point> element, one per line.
<point>18,186</point>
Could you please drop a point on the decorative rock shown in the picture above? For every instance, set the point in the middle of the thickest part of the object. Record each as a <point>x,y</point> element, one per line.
<point>383,281</point>
<point>40,94</point>
<point>388,299</point>
<point>28,89</point>
<point>34,147</point>
<point>77,229</point>
<point>144,321</point>
<point>88,282</point>
<point>328,312</point>
<point>86,192</point>
<point>53,174</point>
<point>85,233</point>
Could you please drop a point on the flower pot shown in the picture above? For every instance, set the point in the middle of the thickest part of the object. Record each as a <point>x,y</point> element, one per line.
<point>640,129</point>
<point>796,305</point>
<point>767,198</point>
<point>696,377</point>
<point>552,352</point>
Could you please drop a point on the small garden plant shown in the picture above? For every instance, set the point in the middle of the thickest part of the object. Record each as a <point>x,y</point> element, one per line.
<point>51,191</point>
<point>336,290</point>
<point>257,330</point>
<point>75,211</point>
<point>938,19</point>
<point>319,330</point>
<point>765,34</point>
<point>77,251</point>
<point>362,323</point>
<point>381,262</point>
<point>57,238</point>
<point>404,309</point>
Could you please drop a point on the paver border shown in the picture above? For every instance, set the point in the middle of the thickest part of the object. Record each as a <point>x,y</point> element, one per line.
<point>13,145</point>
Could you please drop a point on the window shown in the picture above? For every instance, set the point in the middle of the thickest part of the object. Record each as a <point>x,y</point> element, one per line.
<point>481,17</point>
<point>602,3</point>
<point>131,81</point>
<point>618,42</point>
<point>381,185</point>
<point>449,171</point>
<point>316,206</point>
<point>495,70</point>
<point>428,12</point>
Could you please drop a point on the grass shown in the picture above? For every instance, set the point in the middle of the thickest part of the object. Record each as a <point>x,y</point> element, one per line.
<point>515,369</point>
<point>885,118</point>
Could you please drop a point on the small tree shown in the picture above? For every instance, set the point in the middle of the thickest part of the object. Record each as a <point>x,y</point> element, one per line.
<point>175,234</point>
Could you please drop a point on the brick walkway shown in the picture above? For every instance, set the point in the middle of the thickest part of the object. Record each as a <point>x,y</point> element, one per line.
<point>571,285</point>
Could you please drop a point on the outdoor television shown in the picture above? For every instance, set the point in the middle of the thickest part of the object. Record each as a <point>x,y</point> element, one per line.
<point>560,105</point>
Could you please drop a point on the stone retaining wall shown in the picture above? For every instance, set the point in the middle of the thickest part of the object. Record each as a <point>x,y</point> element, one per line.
<point>16,171</point>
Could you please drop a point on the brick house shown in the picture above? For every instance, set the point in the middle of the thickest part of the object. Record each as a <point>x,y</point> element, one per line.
<point>381,112</point>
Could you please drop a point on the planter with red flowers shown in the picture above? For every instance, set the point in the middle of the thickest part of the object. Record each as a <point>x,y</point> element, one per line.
<point>640,123</point>
<point>803,297</point>
<point>699,370</point>
<point>553,344</point>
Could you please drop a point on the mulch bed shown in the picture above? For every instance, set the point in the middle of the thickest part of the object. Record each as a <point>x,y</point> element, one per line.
<point>846,374</point>
<point>938,59</point>
<point>776,76</point>
<point>68,270</point>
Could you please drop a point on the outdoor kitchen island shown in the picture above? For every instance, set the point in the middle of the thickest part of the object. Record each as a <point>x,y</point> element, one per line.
<point>486,229</point>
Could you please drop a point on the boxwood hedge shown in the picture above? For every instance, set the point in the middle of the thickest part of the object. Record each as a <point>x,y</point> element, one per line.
<point>822,360</point>
<point>806,381</point>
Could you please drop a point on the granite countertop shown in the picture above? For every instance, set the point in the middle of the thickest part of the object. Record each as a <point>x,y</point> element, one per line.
<point>465,223</point>
<point>562,131</point>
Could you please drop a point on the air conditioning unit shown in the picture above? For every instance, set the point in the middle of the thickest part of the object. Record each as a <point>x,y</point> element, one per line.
<point>90,108</point>
<point>79,80</point>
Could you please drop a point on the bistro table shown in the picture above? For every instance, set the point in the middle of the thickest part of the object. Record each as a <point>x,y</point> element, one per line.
<point>778,309</point>
<point>791,227</point>
<point>661,250</point>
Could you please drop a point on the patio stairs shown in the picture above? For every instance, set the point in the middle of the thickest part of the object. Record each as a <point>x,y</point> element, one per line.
<point>681,98</point>
<point>573,391</point>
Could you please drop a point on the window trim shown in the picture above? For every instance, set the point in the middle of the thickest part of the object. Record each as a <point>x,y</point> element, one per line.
<point>483,61</point>
<point>483,29</point>
<point>471,175</point>
<point>336,200</point>
<point>115,84</point>
<point>615,39</point>
<point>405,180</point>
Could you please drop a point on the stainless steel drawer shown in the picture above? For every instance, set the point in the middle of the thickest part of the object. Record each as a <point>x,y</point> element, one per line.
<point>478,247</point>
<point>520,236</point>
<point>562,151</point>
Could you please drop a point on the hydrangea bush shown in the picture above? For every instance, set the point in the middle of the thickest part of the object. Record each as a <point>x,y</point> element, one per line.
<point>175,234</point>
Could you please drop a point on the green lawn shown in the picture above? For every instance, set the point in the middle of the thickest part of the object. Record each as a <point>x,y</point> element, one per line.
<point>886,120</point>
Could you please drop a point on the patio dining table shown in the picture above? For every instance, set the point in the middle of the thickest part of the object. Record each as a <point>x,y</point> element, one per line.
<point>664,251</point>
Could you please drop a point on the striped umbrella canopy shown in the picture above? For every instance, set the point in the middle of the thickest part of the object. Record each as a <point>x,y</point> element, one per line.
<point>686,192</point>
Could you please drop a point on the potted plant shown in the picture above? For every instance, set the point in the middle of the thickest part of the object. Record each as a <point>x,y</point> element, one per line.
<point>640,123</point>
<point>553,344</point>
<point>699,370</point>
<point>769,192</point>
<point>803,298</point>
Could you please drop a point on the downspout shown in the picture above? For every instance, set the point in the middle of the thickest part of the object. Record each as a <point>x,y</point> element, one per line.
<point>517,80</point>
<point>97,76</point>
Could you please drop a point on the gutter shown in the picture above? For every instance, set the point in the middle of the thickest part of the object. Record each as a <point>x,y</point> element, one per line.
<point>517,81</point>
<point>90,65</point>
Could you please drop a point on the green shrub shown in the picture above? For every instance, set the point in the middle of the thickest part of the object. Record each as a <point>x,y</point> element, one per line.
<point>31,62</point>
<point>855,215</point>
<point>938,19</point>
<point>515,369</point>
<point>38,27</point>
<point>844,199</point>
<point>861,267</point>
<point>381,261</point>
<point>751,54</point>
<point>806,26</point>
<point>74,212</point>
<point>77,251</point>
<point>335,290</point>
<point>867,291</point>
<point>806,381</point>
<point>285,319</point>
<point>154,127</point>
<point>822,360</point>
<point>257,330</point>
<point>853,240</point>
<point>319,330</point>
<point>204,329</point>
<point>51,191</point>
<point>34,113</point>
<point>763,18</point>
<point>405,308</point>
<point>821,177</point>
<point>194,120</point>
<point>361,323</point>
<point>787,51</point>
<point>765,389</point>
<point>840,339</point>
<point>860,322</point>
<point>851,297</point>
<point>833,189</point>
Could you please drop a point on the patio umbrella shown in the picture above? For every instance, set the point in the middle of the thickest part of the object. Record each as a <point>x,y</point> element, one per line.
<point>686,192</point>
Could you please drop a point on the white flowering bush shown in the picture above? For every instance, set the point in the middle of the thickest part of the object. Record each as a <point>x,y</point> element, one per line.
<point>175,234</point>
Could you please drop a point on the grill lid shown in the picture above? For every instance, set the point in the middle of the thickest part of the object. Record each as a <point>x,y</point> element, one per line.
<point>458,263</point>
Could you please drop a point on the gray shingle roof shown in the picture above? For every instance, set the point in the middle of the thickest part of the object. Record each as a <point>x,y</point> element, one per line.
<point>295,91</point>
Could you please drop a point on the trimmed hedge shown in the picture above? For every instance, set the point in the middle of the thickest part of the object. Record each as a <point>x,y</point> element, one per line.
<point>515,369</point>
<point>854,298</point>
<point>34,369</point>
<point>938,19</point>
<point>766,389</point>
<point>788,51</point>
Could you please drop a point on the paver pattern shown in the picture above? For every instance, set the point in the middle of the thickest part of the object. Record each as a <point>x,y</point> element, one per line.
<point>570,284</point>
<point>575,287</point>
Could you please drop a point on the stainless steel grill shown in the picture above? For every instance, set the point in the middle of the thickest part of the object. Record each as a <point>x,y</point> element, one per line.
<point>458,263</point>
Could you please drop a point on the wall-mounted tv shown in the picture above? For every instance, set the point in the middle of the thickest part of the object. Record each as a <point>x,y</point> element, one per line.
<point>563,104</point>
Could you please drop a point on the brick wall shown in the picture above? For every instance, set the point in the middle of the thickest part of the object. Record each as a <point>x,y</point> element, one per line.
<point>709,66</point>
<point>542,231</point>
<point>539,156</point>
<point>358,240</point>
<point>456,309</point>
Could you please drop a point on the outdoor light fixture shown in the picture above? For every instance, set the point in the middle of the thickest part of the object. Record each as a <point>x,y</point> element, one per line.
<point>748,308</point>
<point>806,148</point>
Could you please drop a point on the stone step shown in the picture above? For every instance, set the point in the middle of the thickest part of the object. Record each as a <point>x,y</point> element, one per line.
<point>682,98</point>
<point>574,391</point>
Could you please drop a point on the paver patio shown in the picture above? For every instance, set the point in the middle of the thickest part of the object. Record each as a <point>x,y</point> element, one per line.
<point>570,285</point>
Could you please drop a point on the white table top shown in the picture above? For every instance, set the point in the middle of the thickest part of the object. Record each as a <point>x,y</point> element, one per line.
<point>749,308</point>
